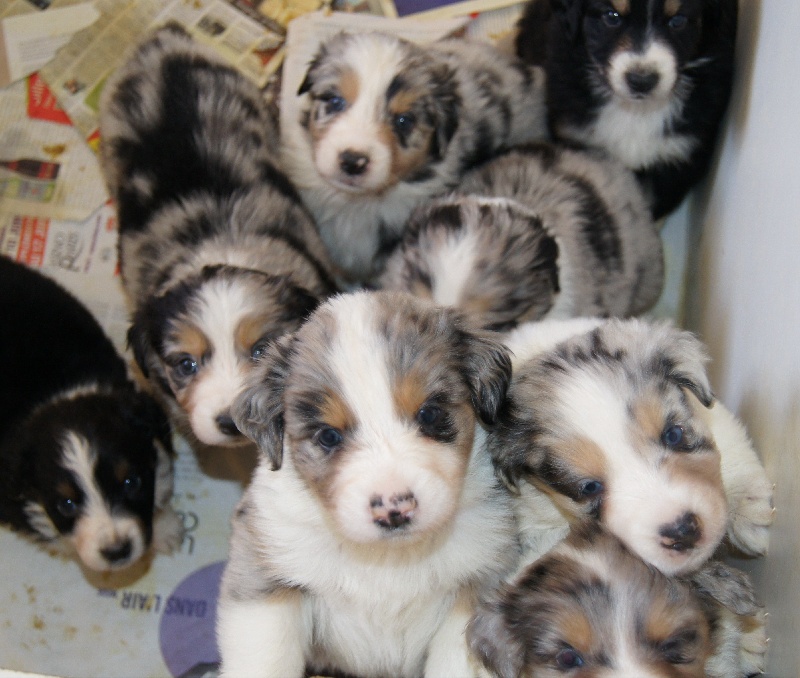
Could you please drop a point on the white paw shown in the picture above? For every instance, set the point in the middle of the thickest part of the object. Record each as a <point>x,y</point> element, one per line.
<point>167,531</point>
<point>754,644</point>
<point>751,514</point>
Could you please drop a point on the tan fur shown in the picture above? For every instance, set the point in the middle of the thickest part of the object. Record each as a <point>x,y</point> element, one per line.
<point>672,7</point>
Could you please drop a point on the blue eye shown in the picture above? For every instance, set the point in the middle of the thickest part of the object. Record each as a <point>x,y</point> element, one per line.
<point>591,488</point>
<point>258,350</point>
<point>186,367</point>
<point>334,103</point>
<point>404,123</point>
<point>612,19</point>
<point>672,436</point>
<point>678,22</point>
<point>428,415</point>
<point>329,438</point>
<point>67,507</point>
<point>568,658</point>
<point>131,486</point>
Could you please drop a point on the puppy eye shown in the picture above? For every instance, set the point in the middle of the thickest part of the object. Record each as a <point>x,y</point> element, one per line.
<point>131,486</point>
<point>328,438</point>
<point>591,488</point>
<point>678,22</point>
<point>258,349</point>
<point>678,649</point>
<point>186,366</point>
<point>612,19</point>
<point>333,103</point>
<point>428,415</point>
<point>67,507</point>
<point>672,436</point>
<point>568,658</point>
<point>404,123</point>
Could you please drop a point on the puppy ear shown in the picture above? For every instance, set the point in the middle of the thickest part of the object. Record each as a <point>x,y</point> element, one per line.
<point>146,413</point>
<point>139,342</point>
<point>568,15</point>
<point>491,640</point>
<point>258,410</point>
<point>446,107</point>
<point>298,301</point>
<point>727,586</point>
<point>308,79</point>
<point>683,360</point>
<point>487,369</point>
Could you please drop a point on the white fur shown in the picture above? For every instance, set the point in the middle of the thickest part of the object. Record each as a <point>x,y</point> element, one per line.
<point>97,528</point>
<point>747,489</point>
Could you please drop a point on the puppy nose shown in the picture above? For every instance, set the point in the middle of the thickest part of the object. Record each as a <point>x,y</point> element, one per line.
<point>683,534</point>
<point>353,163</point>
<point>394,512</point>
<point>641,82</point>
<point>226,425</point>
<point>118,552</point>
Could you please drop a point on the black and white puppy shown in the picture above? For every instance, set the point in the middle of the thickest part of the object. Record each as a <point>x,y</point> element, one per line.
<point>374,520</point>
<point>539,232</point>
<point>218,255</point>
<point>591,608</point>
<point>386,124</point>
<point>647,81</point>
<point>615,420</point>
<point>85,458</point>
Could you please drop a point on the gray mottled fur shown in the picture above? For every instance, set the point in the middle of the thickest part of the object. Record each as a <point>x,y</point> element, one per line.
<point>556,233</point>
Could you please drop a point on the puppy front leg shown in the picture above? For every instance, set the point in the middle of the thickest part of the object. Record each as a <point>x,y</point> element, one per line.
<point>264,638</point>
<point>747,487</point>
<point>448,652</point>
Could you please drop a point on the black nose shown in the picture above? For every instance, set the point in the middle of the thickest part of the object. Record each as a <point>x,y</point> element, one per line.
<point>353,163</point>
<point>394,512</point>
<point>226,425</point>
<point>641,82</point>
<point>114,554</point>
<point>683,534</point>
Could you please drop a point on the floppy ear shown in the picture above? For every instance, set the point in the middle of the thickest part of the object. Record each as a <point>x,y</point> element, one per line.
<point>446,107</point>
<point>308,80</point>
<point>258,410</point>
<point>139,342</point>
<point>567,13</point>
<point>491,640</point>
<point>683,360</point>
<point>299,302</point>
<point>726,585</point>
<point>487,369</point>
<point>148,415</point>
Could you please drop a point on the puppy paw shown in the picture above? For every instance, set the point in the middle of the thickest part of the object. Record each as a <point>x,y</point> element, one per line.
<point>167,531</point>
<point>751,514</point>
<point>754,644</point>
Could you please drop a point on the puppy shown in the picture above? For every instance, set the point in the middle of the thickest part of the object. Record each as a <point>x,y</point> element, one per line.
<point>615,420</point>
<point>217,254</point>
<point>386,124</point>
<point>647,81</point>
<point>365,551</point>
<point>539,232</point>
<point>85,459</point>
<point>592,608</point>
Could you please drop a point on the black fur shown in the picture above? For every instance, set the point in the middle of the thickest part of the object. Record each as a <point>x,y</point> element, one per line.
<point>569,39</point>
<point>50,345</point>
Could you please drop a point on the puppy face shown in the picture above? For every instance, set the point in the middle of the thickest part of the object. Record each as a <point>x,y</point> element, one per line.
<point>375,401</point>
<point>611,425</point>
<point>491,258</point>
<point>91,472</point>
<point>380,111</point>
<point>202,337</point>
<point>641,47</point>
<point>590,608</point>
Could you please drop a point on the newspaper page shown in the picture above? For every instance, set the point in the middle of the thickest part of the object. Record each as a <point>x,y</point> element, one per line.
<point>46,168</point>
<point>29,38</point>
<point>240,31</point>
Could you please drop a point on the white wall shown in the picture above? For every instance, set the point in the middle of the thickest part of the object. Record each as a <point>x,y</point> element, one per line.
<point>744,288</point>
